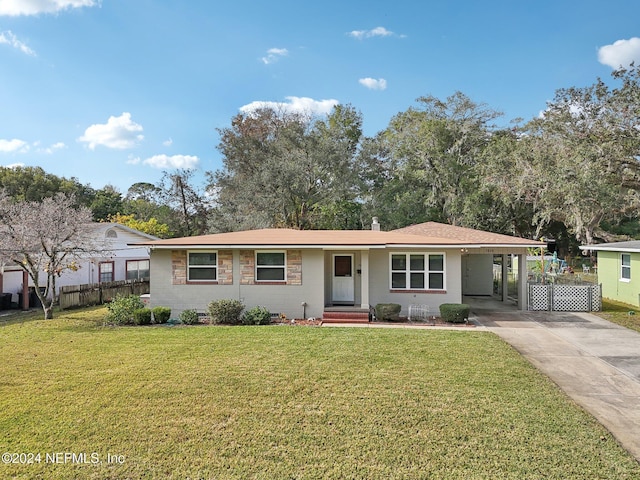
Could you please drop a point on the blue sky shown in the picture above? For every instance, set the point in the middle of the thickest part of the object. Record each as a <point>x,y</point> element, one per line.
<point>116,91</point>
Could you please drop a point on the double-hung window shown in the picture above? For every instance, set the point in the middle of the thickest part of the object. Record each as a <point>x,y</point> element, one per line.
<point>105,272</point>
<point>417,271</point>
<point>137,269</point>
<point>271,266</point>
<point>625,266</point>
<point>202,266</point>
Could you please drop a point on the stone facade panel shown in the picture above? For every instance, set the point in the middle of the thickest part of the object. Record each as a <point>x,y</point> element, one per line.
<point>178,267</point>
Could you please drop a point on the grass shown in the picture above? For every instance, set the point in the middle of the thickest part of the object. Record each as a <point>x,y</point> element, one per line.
<point>617,312</point>
<point>286,403</point>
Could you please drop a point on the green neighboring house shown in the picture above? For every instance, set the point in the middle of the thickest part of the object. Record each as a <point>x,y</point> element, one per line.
<point>619,270</point>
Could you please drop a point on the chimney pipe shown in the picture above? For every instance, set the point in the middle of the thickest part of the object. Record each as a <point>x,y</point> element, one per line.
<point>375,226</point>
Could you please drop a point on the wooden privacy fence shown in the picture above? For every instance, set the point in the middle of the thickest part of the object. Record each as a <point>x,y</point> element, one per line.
<point>98,293</point>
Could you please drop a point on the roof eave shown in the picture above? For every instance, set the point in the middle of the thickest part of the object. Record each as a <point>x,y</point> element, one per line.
<point>329,246</point>
<point>610,249</point>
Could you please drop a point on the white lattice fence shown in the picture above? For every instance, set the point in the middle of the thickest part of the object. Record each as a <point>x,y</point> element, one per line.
<point>565,298</point>
<point>539,297</point>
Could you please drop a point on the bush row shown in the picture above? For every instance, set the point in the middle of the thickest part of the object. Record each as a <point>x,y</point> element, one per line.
<point>229,312</point>
<point>454,312</point>
<point>450,312</point>
<point>129,310</point>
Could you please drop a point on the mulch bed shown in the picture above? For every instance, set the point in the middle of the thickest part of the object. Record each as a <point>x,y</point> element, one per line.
<point>431,322</point>
<point>300,322</point>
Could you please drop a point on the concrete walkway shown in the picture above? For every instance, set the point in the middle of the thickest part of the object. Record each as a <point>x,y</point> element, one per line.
<point>597,363</point>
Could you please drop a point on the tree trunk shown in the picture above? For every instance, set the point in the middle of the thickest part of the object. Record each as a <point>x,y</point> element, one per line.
<point>47,304</point>
<point>48,311</point>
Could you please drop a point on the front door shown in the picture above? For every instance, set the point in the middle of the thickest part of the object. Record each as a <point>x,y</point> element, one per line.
<point>343,279</point>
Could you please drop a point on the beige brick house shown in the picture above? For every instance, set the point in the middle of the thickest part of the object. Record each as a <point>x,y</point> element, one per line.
<point>306,272</point>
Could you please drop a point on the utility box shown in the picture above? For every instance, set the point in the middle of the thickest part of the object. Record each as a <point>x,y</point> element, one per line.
<point>146,299</point>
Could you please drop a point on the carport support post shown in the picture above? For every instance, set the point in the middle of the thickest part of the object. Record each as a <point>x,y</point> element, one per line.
<point>505,278</point>
<point>364,279</point>
<point>523,294</point>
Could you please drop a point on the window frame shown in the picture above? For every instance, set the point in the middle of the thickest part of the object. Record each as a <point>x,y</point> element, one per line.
<point>425,271</point>
<point>100,271</point>
<point>258,267</point>
<point>196,266</point>
<point>625,267</point>
<point>137,270</point>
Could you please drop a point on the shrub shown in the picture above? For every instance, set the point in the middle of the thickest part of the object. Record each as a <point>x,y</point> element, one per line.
<point>161,314</point>
<point>189,317</point>
<point>226,311</point>
<point>388,311</point>
<point>121,309</point>
<point>142,316</point>
<point>257,316</point>
<point>454,312</point>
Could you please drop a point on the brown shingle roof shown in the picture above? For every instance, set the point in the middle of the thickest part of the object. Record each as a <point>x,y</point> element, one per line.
<point>284,237</point>
<point>468,235</point>
<point>429,234</point>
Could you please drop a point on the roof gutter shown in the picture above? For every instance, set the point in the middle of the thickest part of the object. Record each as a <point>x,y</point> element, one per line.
<point>609,249</point>
<point>331,247</point>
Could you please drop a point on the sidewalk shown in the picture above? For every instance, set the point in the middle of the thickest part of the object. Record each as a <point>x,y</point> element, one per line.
<point>595,362</point>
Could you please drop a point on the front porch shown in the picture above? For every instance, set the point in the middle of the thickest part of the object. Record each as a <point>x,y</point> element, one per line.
<point>347,281</point>
<point>356,280</point>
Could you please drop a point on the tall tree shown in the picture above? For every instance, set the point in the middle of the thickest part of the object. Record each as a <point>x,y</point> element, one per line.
<point>577,163</point>
<point>106,201</point>
<point>144,206</point>
<point>286,169</point>
<point>34,184</point>
<point>187,202</point>
<point>44,238</point>
<point>151,226</point>
<point>502,201</point>
<point>430,152</point>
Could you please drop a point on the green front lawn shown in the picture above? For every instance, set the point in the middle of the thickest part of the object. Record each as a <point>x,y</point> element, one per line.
<point>620,313</point>
<point>282,402</point>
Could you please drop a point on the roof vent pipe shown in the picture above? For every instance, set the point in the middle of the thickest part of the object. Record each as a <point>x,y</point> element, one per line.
<point>375,226</point>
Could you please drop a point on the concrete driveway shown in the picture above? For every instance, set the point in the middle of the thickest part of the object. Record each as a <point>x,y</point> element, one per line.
<point>597,363</point>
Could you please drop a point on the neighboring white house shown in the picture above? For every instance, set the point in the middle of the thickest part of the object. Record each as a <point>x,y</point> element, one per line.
<point>298,272</point>
<point>118,262</point>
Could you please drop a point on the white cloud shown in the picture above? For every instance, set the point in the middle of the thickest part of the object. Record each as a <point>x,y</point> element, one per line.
<point>119,132</point>
<point>621,53</point>
<point>14,8</point>
<point>274,54</point>
<point>168,143</point>
<point>49,150</point>
<point>8,38</point>
<point>304,105</point>
<point>373,84</point>
<point>15,165</point>
<point>173,161</point>
<point>14,145</point>
<point>374,32</point>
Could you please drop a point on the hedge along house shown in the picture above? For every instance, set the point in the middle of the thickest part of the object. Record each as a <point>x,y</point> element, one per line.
<point>618,270</point>
<point>304,272</point>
